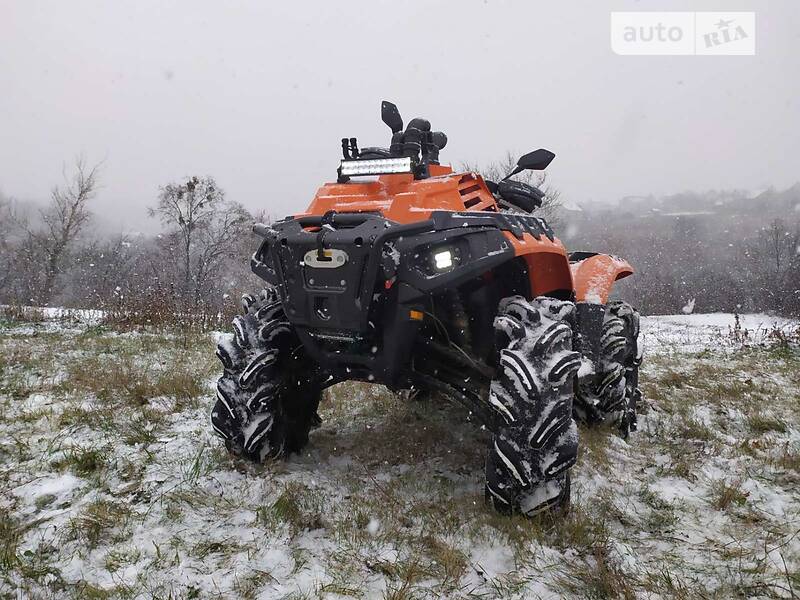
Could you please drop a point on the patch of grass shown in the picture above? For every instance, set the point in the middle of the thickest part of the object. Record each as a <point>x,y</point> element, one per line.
<point>691,428</point>
<point>760,423</point>
<point>298,506</point>
<point>18,315</point>
<point>86,591</point>
<point>789,457</point>
<point>32,416</point>
<point>725,494</point>
<point>674,379</point>
<point>668,584</point>
<point>128,379</point>
<point>606,579</point>
<point>82,461</point>
<point>684,467</point>
<point>396,431</point>
<point>250,586</point>
<point>733,390</point>
<point>599,576</point>
<point>34,566</point>
<point>783,351</point>
<point>712,368</point>
<point>205,461</point>
<point>17,385</point>
<point>408,574</point>
<point>97,522</point>
<point>594,443</point>
<point>9,539</point>
<point>119,558</point>
<point>143,427</point>
<point>76,416</point>
<point>448,563</point>
<point>44,501</point>
<point>662,515</point>
<point>208,547</point>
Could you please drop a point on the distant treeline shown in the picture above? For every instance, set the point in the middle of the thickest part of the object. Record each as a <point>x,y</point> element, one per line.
<point>195,271</point>
<point>717,251</point>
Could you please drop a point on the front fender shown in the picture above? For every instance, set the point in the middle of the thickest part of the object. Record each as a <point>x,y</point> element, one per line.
<point>594,277</point>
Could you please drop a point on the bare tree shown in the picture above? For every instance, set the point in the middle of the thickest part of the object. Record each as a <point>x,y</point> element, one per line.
<point>101,271</point>
<point>773,261</point>
<point>65,218</point>
<point>44,249</point>
<point>7,249</point>
<point>497,170</point>
<point>780,245</point>
<point>204,226</point>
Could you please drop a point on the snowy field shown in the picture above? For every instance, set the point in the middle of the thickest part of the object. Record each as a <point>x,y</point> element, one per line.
<point>111,485</point>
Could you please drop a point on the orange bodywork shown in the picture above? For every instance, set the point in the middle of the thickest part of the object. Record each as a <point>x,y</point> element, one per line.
<point>403,199</point>
<point>595,276</point>
<point>547,262</point>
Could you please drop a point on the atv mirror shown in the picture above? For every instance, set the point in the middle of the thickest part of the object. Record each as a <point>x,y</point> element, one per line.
<point>538,160</point>
<point>391,116</point>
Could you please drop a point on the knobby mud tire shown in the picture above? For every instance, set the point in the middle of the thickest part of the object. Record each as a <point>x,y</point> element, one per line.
<point>527,467</point>
<point>267,396</point>
<point>611,396</point>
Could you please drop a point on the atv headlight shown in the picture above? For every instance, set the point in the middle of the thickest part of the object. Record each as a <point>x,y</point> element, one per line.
<point>376,166</point>
<point>443,260</point>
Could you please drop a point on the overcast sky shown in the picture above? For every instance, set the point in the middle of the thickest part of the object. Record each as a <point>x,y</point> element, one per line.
<point>258,94</point>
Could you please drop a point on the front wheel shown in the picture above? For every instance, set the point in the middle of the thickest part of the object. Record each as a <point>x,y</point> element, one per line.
<point>527,467</point>
<point>267,396</point>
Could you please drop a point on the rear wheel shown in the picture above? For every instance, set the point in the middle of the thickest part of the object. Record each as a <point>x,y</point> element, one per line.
<point>267,396</point>
<point>612,394</point>
<point>536,442</point>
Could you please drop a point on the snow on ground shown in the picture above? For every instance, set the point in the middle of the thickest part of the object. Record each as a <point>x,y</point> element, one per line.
<point>111,484</point>
<point>716,331</point>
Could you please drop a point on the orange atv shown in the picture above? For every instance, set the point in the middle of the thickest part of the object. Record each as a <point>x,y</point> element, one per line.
<point>405,273</point>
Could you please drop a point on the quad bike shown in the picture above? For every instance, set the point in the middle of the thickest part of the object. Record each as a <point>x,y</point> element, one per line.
<point>421,278</point>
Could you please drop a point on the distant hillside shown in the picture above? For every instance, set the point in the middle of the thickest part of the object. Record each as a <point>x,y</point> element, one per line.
<point>730,250</point>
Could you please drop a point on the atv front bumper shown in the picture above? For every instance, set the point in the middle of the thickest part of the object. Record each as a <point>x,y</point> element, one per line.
<point>354,284</point>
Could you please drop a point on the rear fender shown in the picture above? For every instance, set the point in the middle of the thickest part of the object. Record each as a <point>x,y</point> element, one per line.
<point>595,276</point>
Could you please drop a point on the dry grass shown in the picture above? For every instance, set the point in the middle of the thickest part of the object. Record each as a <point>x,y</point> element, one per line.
<point>99,520</point>
<point>727,494</point>
<point>388,499</point>
<point>298,506</point>
<point>82,461</point>
<point>594,446</point>
<point>128,378</point>
<point>761,423</point>
<point>14,314</point>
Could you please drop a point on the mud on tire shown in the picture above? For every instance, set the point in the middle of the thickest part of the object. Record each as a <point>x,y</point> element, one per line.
<point>536,441</point>
<point>267,397</point>
<point>612,394</point>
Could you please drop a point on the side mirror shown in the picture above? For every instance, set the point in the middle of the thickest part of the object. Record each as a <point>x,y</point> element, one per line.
<point>391,116</point>
<point>538,160</point>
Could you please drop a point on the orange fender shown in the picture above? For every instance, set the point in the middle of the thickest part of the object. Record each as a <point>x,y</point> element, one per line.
<point>547,262</point>
<point>594,277</point>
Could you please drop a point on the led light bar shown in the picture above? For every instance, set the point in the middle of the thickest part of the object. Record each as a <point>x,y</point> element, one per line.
<point>376,166</point>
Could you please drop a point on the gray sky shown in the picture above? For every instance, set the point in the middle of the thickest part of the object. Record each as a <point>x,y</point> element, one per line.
<point>258,94</point>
